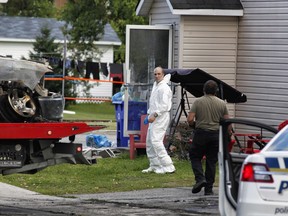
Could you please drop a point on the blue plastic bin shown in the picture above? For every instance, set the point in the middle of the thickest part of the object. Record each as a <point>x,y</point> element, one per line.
<point>135,110</point>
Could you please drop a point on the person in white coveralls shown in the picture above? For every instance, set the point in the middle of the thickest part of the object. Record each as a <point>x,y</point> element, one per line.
<point>158,118</point>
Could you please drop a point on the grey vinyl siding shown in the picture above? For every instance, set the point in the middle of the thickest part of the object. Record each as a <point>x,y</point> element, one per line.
<point>160,14</point>
<point>210,43</point>
<point>262,61</point>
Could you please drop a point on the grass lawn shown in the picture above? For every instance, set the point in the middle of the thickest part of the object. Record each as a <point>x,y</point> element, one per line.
<point>108,175</point>
<point>91,112</point>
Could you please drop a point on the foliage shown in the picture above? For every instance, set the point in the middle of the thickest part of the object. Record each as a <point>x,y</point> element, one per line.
<point>122,13</point>
<point>44,49</point>
<point>45,46</point>
<point>29,8</point>
<point>85,23</point>
<point>180,142</point>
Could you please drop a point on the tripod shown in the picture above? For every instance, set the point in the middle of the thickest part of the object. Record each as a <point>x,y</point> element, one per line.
<point>181,108</point>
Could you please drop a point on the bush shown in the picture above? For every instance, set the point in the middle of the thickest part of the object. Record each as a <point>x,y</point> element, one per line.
<point>180,142</point>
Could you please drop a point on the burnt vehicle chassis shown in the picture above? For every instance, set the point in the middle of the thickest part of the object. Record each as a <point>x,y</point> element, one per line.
<point>31,121</point>
<point>23,97</point>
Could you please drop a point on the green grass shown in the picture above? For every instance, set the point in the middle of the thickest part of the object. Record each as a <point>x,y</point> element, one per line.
<point>91,112</point>
<point>108,175</point>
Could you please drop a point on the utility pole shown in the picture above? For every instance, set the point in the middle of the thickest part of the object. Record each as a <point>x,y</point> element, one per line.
<point>64,63</point>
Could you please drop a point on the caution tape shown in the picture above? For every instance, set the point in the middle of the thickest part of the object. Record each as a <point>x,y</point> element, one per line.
<point>81,79</point>
<point>91,99</point>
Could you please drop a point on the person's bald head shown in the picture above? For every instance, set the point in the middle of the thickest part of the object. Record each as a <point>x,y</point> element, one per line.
<point>158,74</point>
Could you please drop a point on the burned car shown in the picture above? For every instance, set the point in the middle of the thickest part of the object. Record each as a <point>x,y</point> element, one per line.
<point>31,121</point>
<point>23,97</point>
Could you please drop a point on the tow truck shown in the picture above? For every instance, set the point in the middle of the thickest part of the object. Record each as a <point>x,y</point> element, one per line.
<point>31,125</point>
<point>31,147</point>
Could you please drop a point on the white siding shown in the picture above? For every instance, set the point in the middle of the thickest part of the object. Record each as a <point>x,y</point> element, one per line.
<point>106,54</point>
<point>102,90</point>
<point>16,49</point>
<point>263,61</point>
<point>21,49</point>
<point>210,43</point>
<point>99,90</point>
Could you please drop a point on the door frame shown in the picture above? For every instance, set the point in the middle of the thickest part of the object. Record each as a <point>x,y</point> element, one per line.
<point>127,62</point>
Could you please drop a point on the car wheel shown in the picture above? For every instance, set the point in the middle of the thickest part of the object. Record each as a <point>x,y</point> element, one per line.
<point>17,106</point>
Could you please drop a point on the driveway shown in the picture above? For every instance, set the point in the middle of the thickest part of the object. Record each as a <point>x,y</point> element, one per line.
<point>170,201</point>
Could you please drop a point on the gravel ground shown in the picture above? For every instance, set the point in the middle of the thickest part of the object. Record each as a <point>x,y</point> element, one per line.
<point>169,201</point>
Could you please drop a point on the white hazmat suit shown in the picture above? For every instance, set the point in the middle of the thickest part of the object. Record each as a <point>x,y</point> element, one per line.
<point>160,102</point>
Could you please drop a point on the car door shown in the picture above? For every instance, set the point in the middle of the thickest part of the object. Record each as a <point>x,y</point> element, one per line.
<point>246,139</point>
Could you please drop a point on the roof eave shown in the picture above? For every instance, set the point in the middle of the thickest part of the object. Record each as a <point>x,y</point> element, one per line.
<point>143,7</point>
<point>108,43</point>
<point>139,6</point>
<point>19,40</point>
<point>209,12</point>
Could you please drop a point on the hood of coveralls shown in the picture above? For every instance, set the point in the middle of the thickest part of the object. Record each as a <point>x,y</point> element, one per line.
<point>166,78</point>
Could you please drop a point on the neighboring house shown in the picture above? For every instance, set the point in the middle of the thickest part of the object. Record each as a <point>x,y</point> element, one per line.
<point>17,35</point>
<point>244,43</point>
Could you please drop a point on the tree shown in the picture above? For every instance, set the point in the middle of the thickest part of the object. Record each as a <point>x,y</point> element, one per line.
<point>122,13</point>
<point>29,8</point>
<point>85,22</point>
<point>44,45</point>
<point>46,49</point>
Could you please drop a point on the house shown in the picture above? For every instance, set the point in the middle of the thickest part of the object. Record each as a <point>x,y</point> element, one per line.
<point>244,43</point>
<point>17,35</point>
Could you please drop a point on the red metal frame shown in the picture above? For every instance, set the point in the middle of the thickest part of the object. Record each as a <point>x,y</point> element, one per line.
<point>55,130</point>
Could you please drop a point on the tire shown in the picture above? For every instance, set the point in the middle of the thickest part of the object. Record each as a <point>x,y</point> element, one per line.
<point>17,106</point>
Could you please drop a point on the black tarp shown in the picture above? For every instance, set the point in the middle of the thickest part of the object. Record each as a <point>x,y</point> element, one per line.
<point>193,80</point>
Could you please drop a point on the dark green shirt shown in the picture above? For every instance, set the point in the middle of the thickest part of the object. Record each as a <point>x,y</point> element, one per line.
<point>208,111</point>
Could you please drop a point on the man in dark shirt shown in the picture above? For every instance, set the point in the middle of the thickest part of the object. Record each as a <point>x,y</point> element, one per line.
<point>206,113</point>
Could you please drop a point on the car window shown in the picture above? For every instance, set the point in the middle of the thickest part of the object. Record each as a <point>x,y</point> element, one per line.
<point>281,142</point>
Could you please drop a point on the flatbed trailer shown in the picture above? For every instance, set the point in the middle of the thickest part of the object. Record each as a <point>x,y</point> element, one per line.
<point>31,147</point>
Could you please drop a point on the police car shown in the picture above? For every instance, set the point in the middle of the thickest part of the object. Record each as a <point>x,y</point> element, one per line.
<point>253,169</point>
